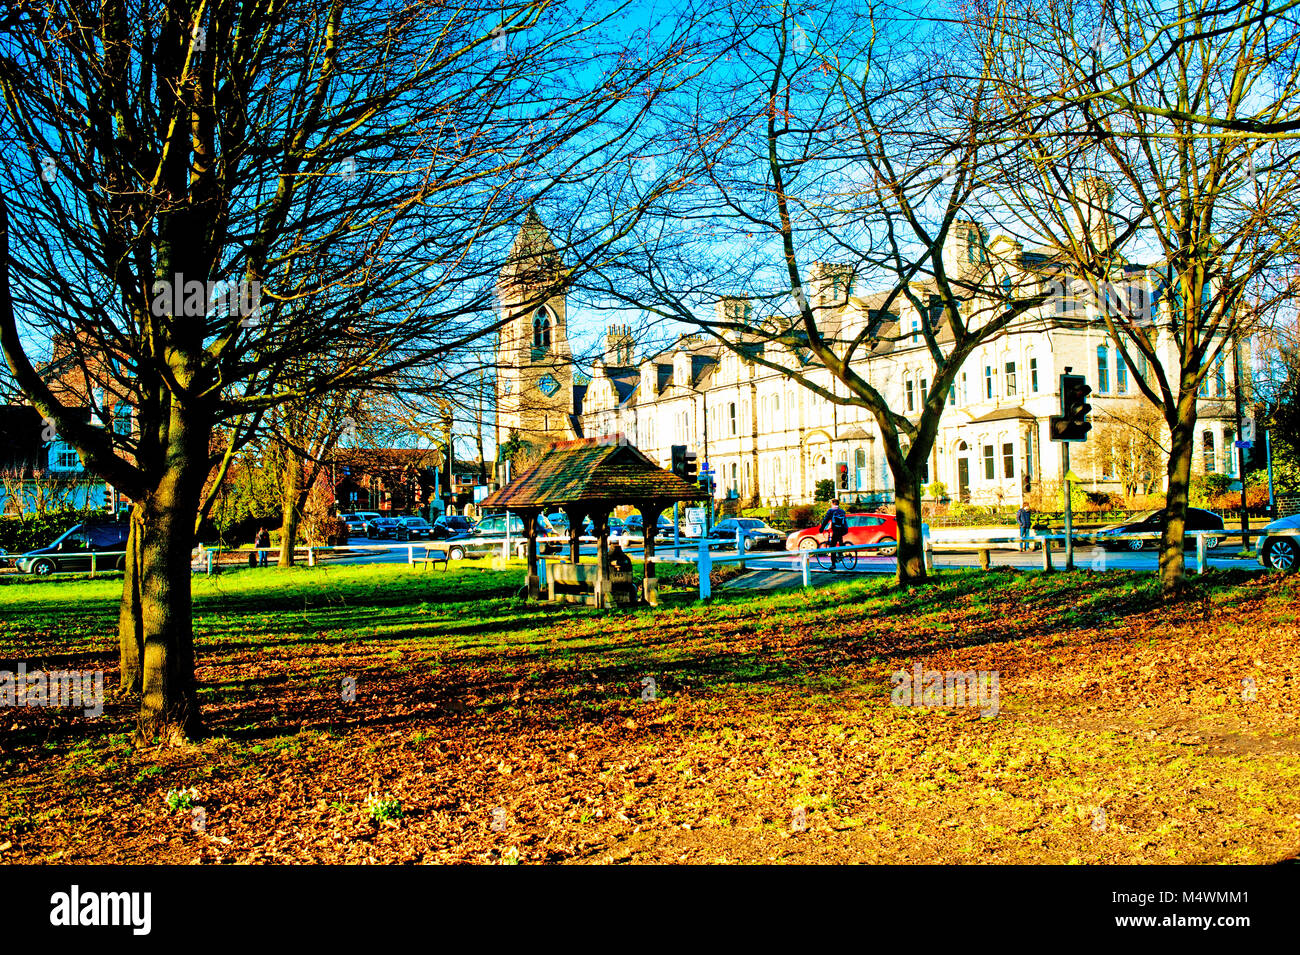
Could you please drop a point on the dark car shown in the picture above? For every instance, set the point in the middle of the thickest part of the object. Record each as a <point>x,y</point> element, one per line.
<point>1153,522</point>
<point>72,551</point>
<point>382,528</point>
<point>450,525</point>
<point>413,528</point>
<point>757,535</point>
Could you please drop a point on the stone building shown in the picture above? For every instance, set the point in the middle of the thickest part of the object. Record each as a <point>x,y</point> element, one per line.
<point>768,437</point>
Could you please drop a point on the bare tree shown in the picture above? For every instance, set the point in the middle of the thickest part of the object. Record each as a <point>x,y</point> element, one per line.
<point>201,193</point>
<point>824,174</point>
<point>1174,224</point>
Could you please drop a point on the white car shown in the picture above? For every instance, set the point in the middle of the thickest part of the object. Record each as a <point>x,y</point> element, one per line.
<point>1279,552</point>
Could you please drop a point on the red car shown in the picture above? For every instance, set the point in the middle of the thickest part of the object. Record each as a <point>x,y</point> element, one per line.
<point>863,529</point>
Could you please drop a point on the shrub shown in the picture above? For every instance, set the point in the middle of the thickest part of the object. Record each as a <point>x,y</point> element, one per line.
<point>936,490</point>
<point>801,515</point>
<point>383,809</point>
<point>26,532</point>
<point>178,799</point>
<point>764,512</point>
<point>825,490</point>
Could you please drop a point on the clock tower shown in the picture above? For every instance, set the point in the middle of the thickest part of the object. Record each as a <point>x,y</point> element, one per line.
<point>534,392</point>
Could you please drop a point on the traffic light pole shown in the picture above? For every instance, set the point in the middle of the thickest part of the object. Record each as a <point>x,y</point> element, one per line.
<point>1069,511</point>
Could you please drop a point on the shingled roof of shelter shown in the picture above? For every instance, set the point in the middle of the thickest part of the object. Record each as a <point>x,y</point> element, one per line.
<point>599,470</point>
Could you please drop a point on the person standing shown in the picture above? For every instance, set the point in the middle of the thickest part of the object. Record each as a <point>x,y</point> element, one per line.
<point>1024,517</point>
<point>262,542</point>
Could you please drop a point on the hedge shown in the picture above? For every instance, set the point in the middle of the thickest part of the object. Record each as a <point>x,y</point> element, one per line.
<point>19,534</point>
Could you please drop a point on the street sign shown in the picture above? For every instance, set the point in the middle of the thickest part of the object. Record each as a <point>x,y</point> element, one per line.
<point>1247,431</point>
<point>1244,445</point>
<point>1072,477</point>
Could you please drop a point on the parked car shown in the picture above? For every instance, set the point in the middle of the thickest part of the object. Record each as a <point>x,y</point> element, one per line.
<point>635,522</point>
<point>488,535</point>
<point>1153,522</point>
<point>1280,553</point>
<point>71,550</point>
<point>413,528</point>
<point>451,525</point>
<point>758,535</point>
<point>616,528</point>
<point>356,524</point>
<point>863,529</point>
<point>382,528</point>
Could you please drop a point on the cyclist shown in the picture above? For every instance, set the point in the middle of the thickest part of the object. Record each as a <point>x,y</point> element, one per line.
<point>838,522</point>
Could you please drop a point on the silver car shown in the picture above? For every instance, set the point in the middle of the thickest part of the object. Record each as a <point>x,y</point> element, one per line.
<point>1276,551</point>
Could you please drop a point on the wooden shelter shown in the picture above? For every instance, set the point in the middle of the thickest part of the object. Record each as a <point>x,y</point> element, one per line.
<point>589,478</point>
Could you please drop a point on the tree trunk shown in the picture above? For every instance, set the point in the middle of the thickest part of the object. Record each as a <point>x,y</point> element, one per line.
<point>130,626</point>
<point>907,513</point>
<point>291,505</point>
<point>169,710</point>
<point>1172,560</point>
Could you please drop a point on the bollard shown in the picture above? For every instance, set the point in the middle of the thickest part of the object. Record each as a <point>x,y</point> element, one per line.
<point>704,566</point>
<point>740,546</point>
<point>210,553</point>
<point>1200,553</point>
<point>311,557</point>
<point>927,549</point>
<point>985,561</point>
<point>1047,553</point>
<point>803,567</point>
<point>93,562</point>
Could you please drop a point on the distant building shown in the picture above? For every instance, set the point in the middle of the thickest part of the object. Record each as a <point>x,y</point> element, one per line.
<point>770,438</point>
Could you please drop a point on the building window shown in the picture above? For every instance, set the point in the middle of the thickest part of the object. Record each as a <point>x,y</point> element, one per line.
<point>952,395</point>
<point>1204,390</point>
<point>860,468</point>
<point>1207,451</point>
<point>907,389</point>
<point>541,329</point>
<point>1029,456</point>
<point>1121,374</point>
<point>916,326</point>
<point>923,391</point>
<point>1103,369</point>
<point>1033,375</point>
<point>1011,378</point>
<point>1230,452</point>
<point>66,458</point>
<point>988,381</point>
<point>1008,459</point>
<point>732,411</point>
<point>1220,378</point>
<point>965,389</point>
<point>990,471</point>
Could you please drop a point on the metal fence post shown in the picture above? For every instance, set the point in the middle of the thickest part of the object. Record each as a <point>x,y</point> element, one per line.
<point>209,553</point>
<point>704,566</point>
<point>1200,552</point>
<point>740,546</point>
<point>410,554</point>
<point>803,567</point>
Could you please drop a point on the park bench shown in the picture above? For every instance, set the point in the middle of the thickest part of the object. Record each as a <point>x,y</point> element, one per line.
<point>433,554</point>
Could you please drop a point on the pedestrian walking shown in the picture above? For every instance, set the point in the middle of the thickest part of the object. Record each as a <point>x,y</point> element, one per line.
<point>1025,518</point>
<point>262,542</point>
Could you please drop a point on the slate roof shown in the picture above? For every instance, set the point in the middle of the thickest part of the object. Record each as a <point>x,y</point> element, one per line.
<point>604,470</point>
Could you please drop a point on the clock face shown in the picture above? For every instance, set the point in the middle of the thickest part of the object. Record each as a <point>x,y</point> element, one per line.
<point>548,385</point>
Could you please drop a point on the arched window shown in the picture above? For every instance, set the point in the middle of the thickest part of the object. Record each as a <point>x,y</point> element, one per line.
<point>542,329</point>
<point>1207,450</point>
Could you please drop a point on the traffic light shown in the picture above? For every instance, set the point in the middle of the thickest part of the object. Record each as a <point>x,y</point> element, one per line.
<point>679,460</point>
<point>692,467</point>
<point>842,472</point>
<point>1073,423</point>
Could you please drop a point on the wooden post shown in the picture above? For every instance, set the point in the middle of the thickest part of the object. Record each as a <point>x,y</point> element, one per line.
<point>984,558</point>
<point>1047,554</point>
<point>649,528</point>
<point>575,533</point>
<point>534,583</point>
<point>600,521</point>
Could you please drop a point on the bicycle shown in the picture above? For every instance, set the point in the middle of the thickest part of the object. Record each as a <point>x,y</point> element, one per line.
<point>844,560</point>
